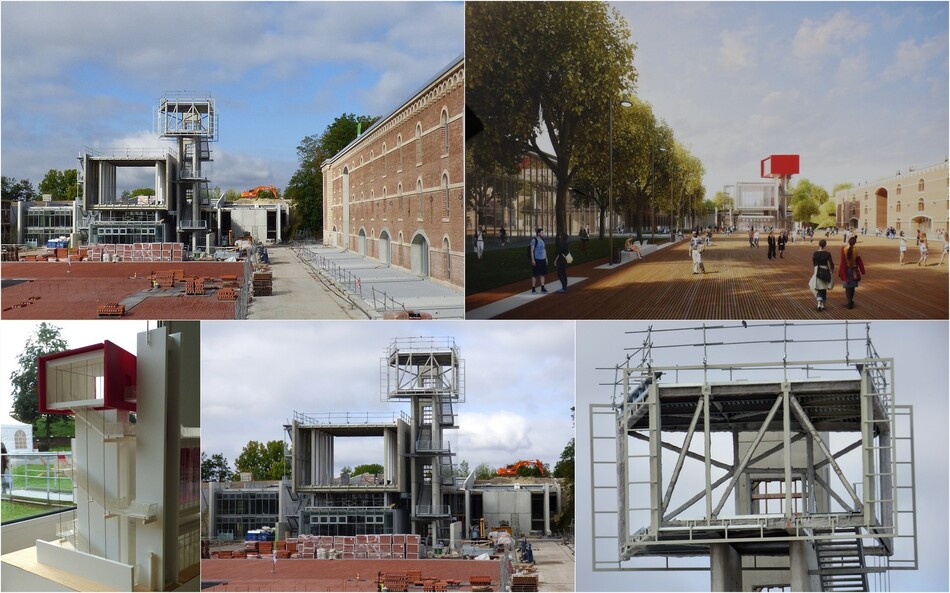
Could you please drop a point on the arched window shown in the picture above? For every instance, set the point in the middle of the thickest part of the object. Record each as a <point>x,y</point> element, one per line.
<point>419,193</point>
<point>444,121</point>
<point>920,205</point>
<point>445,193</point>
<point>19,439</point>
<point>897,207</point>
<point>385,160</point>
<point>399,150</point>
<point>418,144</point>
<point>920,185</point>
<point>898,191</point>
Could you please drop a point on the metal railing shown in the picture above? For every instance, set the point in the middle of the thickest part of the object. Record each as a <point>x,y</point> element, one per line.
<point>39,477</point>
<point>349,417</point>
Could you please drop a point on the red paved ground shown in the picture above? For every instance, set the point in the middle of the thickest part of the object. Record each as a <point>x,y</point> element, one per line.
<point>740,283</point>
<point>335,575</point>
<point>57,290</point>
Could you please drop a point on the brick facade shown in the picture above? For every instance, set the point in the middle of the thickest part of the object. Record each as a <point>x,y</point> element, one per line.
<point>401,184</point>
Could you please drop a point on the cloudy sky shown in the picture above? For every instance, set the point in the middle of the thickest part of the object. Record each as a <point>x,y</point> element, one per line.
<point>858,89</point>
<point>518,384</point>
<point>919,350</point>
<point>90,74</point>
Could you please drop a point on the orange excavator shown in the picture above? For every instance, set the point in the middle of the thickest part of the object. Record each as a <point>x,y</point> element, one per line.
<point>252,193</point>
<point>512,470</point>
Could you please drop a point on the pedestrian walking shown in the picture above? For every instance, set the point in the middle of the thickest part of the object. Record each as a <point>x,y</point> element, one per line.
<point>585,237</point>
<point>902,245</point>
<point>822,279</point>
<point>782,240</point>
<point>751,237</point>
<point>946,248</point>
<point>696,252</point>
<point>851,269</point>
<point>562,258</point>
<point>755,239</point>
<point>771,241</point>
<point>922,243</point>
<point>480,241</point>
<point>539,260</point>
<point>503,236</point>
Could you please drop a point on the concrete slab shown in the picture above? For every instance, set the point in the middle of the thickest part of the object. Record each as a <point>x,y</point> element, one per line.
<point>555,564</point>
<point>513,302</point>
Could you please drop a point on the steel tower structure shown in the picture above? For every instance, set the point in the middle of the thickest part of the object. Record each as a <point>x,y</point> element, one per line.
<point>429,374</point>
<point>784,472</point>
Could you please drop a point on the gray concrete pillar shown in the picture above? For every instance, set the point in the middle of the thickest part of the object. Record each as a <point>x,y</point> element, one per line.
<point>801,558</point>
<point>725,568</point>
<point>547,511</point>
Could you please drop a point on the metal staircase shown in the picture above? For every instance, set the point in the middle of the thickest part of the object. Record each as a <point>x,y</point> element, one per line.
<point>841,563</point>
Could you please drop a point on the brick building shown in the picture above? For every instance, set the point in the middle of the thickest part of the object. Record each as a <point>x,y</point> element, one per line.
<point>395,194</point>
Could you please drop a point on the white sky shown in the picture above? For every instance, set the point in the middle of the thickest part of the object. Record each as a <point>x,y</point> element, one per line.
<point>920,352</point>
<point>858,89</point>
<point>90,74</point>
<point>518,384</point>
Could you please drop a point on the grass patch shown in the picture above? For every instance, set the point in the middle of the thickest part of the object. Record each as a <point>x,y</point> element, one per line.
<point>34,477</point>
<point>499,267</point>
<point>13,510</point>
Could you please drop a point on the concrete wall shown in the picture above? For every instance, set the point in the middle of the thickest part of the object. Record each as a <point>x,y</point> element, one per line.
<point>513,506</point>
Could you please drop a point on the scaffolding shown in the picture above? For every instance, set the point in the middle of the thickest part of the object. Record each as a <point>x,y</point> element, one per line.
<point>786,464</point>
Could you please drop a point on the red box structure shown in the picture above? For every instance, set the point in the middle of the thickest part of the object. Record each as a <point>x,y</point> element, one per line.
<point>102,376</point>
<point>779,165</point>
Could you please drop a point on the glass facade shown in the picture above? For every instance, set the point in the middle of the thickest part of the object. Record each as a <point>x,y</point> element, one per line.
<point>239,511</point>
<point>347,521</point>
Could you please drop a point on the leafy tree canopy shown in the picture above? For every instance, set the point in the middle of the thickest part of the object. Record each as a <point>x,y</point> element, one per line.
<point>572,59</point>
<point>483,471</point>
<point>62,185</point>
<point>215,468</point>
<point>564,470</point>
<point>17,190</point>
<point>265,461</point>
<point>305,189</point>
<point>368,468</point>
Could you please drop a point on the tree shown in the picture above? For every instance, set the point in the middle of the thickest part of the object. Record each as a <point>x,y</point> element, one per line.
<point>572,60</point>
<point>62,185</point>
<point>46,340</point>
<point>827,215</point>
<point>564,471</point>
<point>14,190</point>
<point>263,461</point>
<point>215,468</point>
<point>462,470</point>
<point>368,468</point>
<point>483,471</point>
<point>532,471</point>
<point>305,189</point>
<point>806,200</point>
<point>142,191</point>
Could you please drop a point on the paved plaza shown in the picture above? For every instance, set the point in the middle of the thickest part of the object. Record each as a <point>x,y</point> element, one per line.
<point>740,283</point>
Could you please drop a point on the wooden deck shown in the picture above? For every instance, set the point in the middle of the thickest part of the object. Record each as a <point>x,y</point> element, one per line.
<point>740,283</point>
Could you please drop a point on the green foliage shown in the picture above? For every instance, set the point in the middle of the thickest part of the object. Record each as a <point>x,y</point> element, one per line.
<point>305,189</point>
<point>531,471</point>
<point>806,201</point>
<point>572,59</point>
<point>265,194</point>
<point>215,468</point>
<point>45,340</point>
<point>499,267</point>
<point>62,185</point>
<point>142,191</point>
<point>263,461</point>
<point>232,195</point>
<point>11,511</point>
<point>14,190</point>
<point>827,215</point>
<point>723,201</point>
<point>840,187</point>
<point>462,470</point>
<point>483,471</point>
<point>564,470</point>
<point>368,468</point>
<point>346,470</point>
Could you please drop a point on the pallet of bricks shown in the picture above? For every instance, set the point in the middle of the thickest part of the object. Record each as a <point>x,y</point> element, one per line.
<point>263,281</point>
<point>350,547</point>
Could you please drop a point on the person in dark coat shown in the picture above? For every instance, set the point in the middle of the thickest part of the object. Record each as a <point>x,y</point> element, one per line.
<point>771,244</point>
<point>782,240</point>
<point>562,249</point>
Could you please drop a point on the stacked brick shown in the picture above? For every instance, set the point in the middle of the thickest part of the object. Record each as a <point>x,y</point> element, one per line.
<point>195,286</point>
<point>263,281</point>
<point>137,252</point>
<point>354,547</point>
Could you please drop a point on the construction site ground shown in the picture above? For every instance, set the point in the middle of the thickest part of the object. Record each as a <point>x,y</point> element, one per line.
<point>554,563</point>
<point>335,575</point>
<point>62,290</point>
<point>740,283</point>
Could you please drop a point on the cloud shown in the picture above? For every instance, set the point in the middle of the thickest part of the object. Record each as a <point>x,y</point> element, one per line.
<point>913,58</point>
<point>735,51</point>
<point>816,38</point>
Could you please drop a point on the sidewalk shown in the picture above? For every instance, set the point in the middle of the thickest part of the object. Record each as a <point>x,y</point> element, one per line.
<point>375,288</point>
<point>299,293</point>
<point>40,495</point>
<point>739,283</point>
